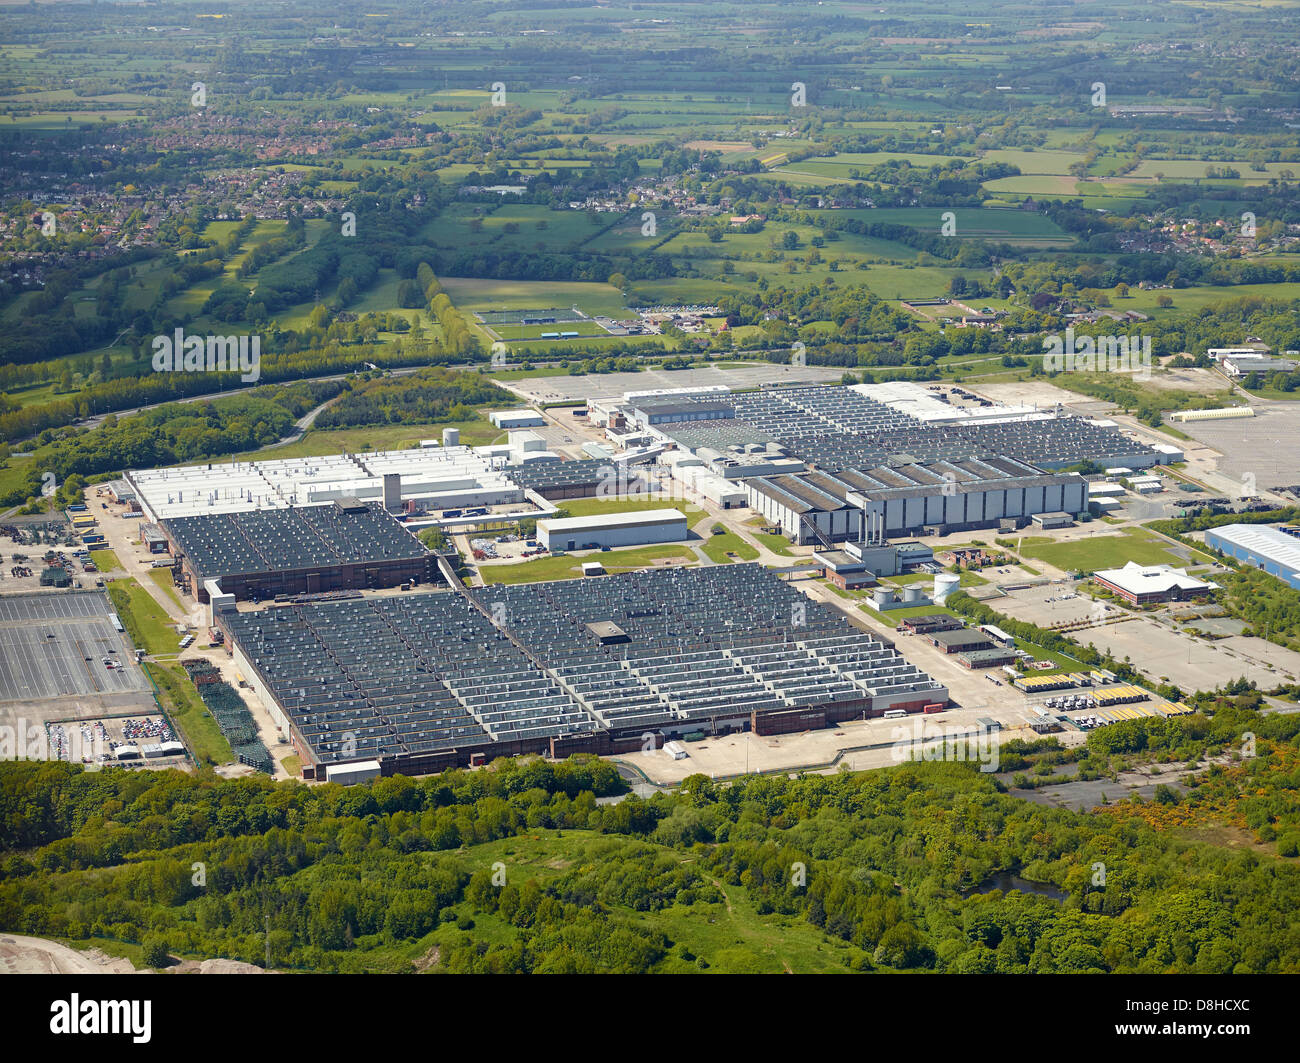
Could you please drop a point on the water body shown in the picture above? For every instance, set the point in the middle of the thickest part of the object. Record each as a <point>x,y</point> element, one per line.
<point>1005,881</point>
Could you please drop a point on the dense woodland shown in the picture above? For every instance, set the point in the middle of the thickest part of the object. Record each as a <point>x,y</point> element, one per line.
<point>370,877</point>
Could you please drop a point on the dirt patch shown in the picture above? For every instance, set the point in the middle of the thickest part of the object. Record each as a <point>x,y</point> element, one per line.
<point>26,955</point>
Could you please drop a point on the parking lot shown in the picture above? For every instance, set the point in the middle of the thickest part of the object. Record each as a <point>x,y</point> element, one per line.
<point>62,645</point>
<point>1049,604</point>
<point>1262,446</point>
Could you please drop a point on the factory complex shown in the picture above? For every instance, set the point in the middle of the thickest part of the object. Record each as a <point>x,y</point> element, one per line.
<point>829,464</point>
<point>417,683</point>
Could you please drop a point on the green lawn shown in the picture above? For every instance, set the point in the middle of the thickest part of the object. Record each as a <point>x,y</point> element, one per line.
<point>719,546</point>
<point>1105,551</point>
<point>778,544</point>
<point>565,566</point>
<point>191,716</point>
<point>163,577</point>
<point>105,560</point>
<point>319,442</point>
<point>148,625</point>
<point>13,474</point>
<point>590,507</point>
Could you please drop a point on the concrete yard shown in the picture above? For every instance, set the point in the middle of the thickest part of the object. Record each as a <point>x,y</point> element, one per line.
<point>1193,663</point>
<point>1262,446</point>
<point>54,645</point>
<point>1049,604</point>
<point>613,385</point>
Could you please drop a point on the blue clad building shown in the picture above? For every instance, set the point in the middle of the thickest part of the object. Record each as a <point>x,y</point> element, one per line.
<point>1263,547</point>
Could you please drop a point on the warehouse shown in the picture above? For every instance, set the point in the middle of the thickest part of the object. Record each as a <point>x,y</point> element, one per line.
<point>645,412</point>
<point>424,682</point>
<point>1262,547</point>
<point>913,498</point>
<point>569,479</point>
<point>725,493</point>
<point>305,550</point>
<point>1147,584</point>
<point>432,477</point>
<point>984,659</point>
<point>637,528</point>
<point>506,419</point>
<point>961,640</point>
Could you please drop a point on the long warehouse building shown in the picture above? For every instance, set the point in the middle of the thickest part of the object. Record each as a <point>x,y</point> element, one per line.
<point>1263,547</point>
<point>638,528</point>
<point>909,499</point>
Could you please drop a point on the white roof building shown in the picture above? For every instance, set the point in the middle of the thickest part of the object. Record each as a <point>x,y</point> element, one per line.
<point>1137,582</point>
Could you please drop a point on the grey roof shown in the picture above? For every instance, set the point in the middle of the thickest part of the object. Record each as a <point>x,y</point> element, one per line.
<point>284,540</point>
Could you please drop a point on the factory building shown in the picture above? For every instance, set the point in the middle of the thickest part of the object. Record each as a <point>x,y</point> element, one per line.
<point>637,528</point>
<point>423,682</point>
<point>507,419</point>
<point>305,550</point>
<point>1260,546</point>
<point>431,477</point>
<point>935,498</point>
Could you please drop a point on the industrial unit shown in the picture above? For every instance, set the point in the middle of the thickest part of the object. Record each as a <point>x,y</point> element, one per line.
<point>431,477</point>
<point>305,550</point>
<point>422,682</point>
<point>637,528</point>
<point>1260,546</point>
<point>913,498</point>
<point>506,419</point>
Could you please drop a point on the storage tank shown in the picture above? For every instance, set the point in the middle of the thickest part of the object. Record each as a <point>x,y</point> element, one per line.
<point>451,437</point>
<point>944,584</point>
<point>912,594</point>
<point>882,595</point>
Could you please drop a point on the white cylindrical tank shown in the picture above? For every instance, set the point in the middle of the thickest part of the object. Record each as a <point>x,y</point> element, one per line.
<point>451,437</point>
<point>944,584</point>
<point>912,594</point>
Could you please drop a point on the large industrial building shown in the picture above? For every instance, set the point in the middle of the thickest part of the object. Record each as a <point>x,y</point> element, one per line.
<point>421,682</point>
<point>829,464</point>
<point>1260,546</point>
<point>304,550</point>
<point>910,499</point>
<point>428,477</point>
<point>1149,584</point>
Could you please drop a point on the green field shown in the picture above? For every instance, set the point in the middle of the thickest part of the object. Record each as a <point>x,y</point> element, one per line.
<point>163,577</point>
<point>105,560</point>
<point>719,547</point>
<point>146,622</point>
<point>319,441</point>
<point>469,293</point>
<point>197,728</point>
<point>564,566</point>
<point>1103,551</point>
